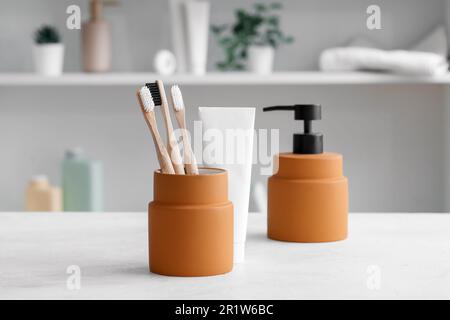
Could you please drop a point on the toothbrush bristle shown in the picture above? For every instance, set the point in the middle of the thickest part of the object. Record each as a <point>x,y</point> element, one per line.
<point>178,102</point>
<point>147,99</point>
<point>154,90</point>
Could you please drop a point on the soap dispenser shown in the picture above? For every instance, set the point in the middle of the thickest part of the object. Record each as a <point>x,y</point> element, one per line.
<point>308,193</point>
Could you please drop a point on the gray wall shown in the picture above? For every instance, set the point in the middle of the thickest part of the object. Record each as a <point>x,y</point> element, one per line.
<point>141,27</point>
<point>392,137</point>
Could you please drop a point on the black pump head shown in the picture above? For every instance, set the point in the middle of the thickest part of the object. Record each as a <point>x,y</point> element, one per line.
<point>306,142</point>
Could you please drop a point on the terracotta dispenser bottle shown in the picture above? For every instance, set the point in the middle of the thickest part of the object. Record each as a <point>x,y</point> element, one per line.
<point>308,193</point>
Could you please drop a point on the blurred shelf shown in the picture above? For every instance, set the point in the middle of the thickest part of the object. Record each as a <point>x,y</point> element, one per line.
<point>232,78</point>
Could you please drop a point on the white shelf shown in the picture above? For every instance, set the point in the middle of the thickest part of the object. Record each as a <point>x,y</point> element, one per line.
<point>279,78</point>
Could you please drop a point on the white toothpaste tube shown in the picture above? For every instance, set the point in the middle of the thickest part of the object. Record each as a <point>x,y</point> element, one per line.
<point>228,144</point>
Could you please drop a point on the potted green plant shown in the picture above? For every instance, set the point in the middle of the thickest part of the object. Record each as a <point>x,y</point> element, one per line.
<point>250,42</point>
<point>48,51</point>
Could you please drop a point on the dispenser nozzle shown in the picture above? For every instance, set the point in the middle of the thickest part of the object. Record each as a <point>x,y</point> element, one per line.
<point>307,142</point>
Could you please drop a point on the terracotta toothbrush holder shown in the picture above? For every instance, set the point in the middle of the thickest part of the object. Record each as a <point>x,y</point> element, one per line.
<point>190,223</point>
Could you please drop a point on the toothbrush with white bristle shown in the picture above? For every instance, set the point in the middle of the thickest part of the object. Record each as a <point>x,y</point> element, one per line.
<point>160,100</point>
<point>190,162</point>
<point>147,106</point>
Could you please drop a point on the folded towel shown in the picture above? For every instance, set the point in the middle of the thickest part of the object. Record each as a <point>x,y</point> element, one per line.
<point>397,61</point>
<point>428,57</point>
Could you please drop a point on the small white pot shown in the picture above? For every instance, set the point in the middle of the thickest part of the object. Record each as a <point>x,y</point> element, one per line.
<point>49,59</point>
<point>260,59</point>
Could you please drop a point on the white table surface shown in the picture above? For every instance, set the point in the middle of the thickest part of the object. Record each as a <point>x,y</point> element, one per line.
<point>386,256</point>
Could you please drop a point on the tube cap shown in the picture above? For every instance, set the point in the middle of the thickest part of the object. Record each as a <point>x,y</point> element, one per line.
<point>306,142</point>
<point>239,252</point>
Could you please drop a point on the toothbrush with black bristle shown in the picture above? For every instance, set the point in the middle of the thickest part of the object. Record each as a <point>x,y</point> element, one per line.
<point>159,98</point>
<point>190,162</point>
<point>147,106</point>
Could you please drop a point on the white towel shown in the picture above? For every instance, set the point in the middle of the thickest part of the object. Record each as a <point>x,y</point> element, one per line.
<point>397,61</point>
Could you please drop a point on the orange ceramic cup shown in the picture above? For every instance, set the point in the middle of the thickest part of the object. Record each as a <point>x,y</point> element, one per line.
<point>191,224</point>
<point>308,198</point>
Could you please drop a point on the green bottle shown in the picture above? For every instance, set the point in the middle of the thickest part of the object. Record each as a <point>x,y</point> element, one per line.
<point>82,181</point>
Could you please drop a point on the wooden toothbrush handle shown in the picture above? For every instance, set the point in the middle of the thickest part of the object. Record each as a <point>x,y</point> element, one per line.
<point>161,151</point>
<point>172,146</point>
<point>163,155</point>
<point>190,163</point>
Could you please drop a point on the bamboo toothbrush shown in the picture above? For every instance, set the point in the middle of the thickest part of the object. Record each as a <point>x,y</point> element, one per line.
<point>190,162</point>
<point>159,99</point>
<point>147,106</point>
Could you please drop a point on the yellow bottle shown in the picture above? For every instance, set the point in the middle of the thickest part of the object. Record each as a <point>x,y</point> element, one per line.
<point>41,196</point>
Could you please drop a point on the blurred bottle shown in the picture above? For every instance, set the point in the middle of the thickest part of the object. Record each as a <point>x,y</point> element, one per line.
<point>96,40</point>
<point>82,182</point>
<point>41,196</point>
